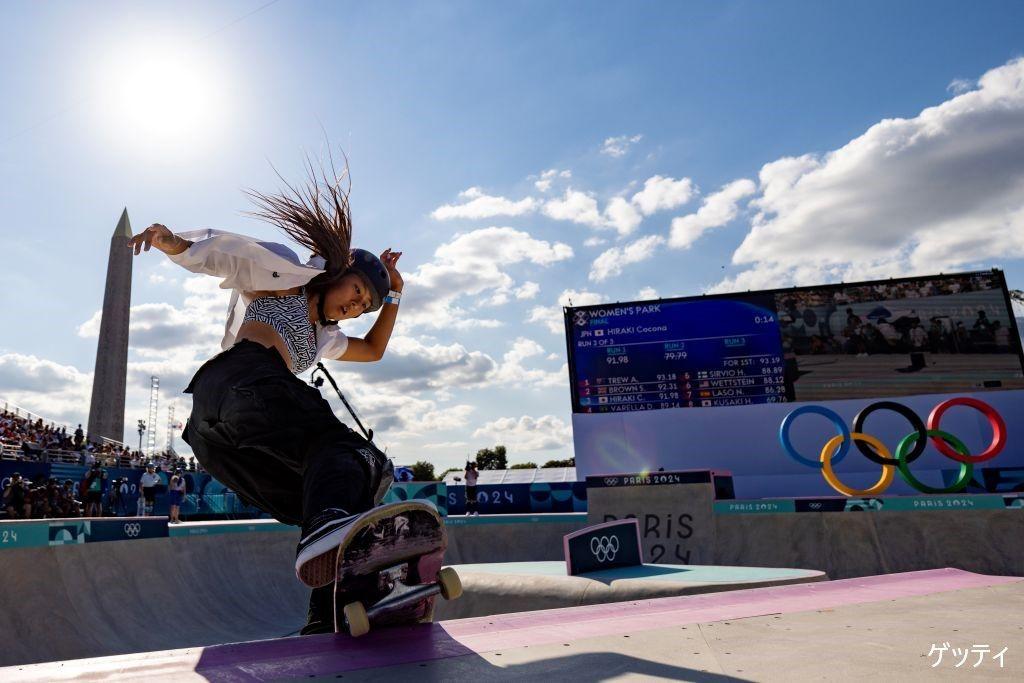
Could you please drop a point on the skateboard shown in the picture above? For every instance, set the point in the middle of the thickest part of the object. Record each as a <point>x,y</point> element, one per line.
<point>389,568</point>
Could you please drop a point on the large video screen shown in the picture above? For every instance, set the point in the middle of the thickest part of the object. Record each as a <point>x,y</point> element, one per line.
<point>938,334</point>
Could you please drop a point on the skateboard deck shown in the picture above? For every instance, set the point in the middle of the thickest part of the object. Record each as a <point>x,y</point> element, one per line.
<point>389,568</point>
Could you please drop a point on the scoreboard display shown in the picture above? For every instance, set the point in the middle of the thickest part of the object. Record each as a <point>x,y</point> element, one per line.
<point>647,356</point>
<point>886,338</point>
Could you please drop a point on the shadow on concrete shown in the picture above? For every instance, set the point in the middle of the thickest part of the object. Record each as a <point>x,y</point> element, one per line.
<point>423,653</point>
<point>644,571</point>
<point>593,666</point>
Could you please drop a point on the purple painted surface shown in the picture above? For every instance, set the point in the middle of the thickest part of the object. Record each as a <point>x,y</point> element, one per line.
<point>331,654</point>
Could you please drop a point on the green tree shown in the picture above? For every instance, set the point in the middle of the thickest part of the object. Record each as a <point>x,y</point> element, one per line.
<point>571,462</point>
<point>422,471</point>
<point>448,471</point>
<point>491,458</point>
<point>524,466</point>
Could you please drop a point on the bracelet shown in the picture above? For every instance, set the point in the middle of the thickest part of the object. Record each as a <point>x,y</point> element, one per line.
<point>393,297</point>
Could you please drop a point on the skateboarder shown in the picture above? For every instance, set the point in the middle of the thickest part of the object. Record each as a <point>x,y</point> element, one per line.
<point>255,426</point>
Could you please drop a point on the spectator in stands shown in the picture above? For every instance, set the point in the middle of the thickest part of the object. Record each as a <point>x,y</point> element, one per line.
<point>1002,336</point>
<point>176,490</point>
<point>983,326</point>
<point>147,489</point>
<point>37,497</point>
<point>95,481</point>
<point>15,498</point>
<point>70,507</point>
<point>471,477</point>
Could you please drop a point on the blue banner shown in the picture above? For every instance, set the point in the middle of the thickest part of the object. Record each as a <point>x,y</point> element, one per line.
<point>517,499</point>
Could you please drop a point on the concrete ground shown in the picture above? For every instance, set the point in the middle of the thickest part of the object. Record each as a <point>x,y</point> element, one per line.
<point>878,628</point>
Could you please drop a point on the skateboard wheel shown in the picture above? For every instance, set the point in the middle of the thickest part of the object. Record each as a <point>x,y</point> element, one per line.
<point>450,583</point>
<point>355,617</point>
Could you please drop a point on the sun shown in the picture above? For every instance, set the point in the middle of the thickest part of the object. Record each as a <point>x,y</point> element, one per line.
<point>160,100</point>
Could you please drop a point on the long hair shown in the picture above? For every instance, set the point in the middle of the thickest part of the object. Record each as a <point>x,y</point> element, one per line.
<point>316,215</point>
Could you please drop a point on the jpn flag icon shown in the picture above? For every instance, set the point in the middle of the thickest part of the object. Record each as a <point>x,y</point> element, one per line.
<point>602,399</point>
<point>705,404</point>
<point>598,333</point>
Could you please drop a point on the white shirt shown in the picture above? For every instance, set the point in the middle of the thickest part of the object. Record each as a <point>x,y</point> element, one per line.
<point>149,480</point>
<point>247,265</point>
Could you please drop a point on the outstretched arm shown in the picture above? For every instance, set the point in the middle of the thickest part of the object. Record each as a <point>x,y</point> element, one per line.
<point>161,237</point>
<point>372,346</point>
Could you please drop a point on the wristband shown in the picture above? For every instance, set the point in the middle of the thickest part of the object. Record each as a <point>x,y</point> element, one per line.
<point>393,297</point>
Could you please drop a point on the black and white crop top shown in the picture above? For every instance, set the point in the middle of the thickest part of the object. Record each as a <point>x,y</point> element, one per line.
<point>289,315</point>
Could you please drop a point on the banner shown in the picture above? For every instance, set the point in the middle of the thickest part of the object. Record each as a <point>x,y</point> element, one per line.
<point>517,499</point>
<point>745,441</point>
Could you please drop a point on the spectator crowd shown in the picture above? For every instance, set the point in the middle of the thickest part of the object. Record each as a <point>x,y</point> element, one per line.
<point>26,440</point>
<point>809,320</point>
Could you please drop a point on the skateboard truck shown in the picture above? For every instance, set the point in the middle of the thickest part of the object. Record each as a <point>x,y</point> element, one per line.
<point>358,618</point>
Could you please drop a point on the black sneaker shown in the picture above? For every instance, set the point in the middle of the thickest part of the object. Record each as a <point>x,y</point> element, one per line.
<point>317,550</point>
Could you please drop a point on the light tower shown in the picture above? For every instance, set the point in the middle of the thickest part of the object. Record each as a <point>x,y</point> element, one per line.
<point>154,400</point>
<point>172,425</point>
<point>106,409</point>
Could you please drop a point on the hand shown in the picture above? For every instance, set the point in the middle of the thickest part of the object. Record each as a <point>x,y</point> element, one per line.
<point>158,236</point>
<point>389,259</point>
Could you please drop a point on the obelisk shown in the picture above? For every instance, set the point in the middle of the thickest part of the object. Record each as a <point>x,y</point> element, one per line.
<point>106,411</point>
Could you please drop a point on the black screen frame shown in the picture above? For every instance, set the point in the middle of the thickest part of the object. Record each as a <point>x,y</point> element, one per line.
<point>996,273</point>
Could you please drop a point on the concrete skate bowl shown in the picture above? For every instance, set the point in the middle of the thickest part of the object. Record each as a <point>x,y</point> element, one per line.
<point>207,583</point>
<point>97,599</point>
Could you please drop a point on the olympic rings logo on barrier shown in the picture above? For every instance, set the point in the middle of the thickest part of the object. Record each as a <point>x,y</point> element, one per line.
<point>604,548</point>
<point>908,449</point>
<point>132,529</point>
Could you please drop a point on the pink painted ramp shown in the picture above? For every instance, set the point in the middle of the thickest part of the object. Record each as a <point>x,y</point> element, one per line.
<point>331,655</point>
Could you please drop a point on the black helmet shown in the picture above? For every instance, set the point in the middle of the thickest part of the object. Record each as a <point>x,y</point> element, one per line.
<point>372,269</point>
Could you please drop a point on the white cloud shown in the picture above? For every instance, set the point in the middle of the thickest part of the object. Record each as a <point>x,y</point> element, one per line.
<point>49,389</point>
<point>512,372</point>
<point>445,446</point>
<point>480,205</point>
<point>612,261</point>
<point>409,364</point>
<point>619,146</point>
<point>958,86</point>
<point>622,216</point>
<point>594,241</point>
<point>647,293</point>
<point>551,316</point>
<point>661,194</point>
<point>717,210</point>
<point>471,264</point>
<point>581,207</point>
<point>932,193</point>
<point>527,433</point>
<point>528,290</point>
<point>548,177</point>
<point>575,206</point>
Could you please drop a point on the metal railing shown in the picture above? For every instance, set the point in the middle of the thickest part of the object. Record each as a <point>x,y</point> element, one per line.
<point>12,452</point>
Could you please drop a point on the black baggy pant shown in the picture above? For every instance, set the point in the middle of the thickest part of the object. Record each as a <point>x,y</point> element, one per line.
<point>272,438</point>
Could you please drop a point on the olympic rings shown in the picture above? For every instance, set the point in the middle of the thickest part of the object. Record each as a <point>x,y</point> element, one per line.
<point>912,418</point>
<point>909,448</point>
<point>888,471</point>
<point>995,421</point>
<point>833,417</point>
<point>966,468</point>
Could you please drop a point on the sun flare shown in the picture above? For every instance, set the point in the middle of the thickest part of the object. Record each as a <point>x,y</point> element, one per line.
<point>160,100</point>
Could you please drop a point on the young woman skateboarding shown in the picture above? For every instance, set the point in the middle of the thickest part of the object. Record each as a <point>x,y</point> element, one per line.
<point>255,426</point>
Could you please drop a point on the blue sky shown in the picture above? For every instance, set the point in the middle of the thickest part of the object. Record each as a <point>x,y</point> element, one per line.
<point>689,147</point>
